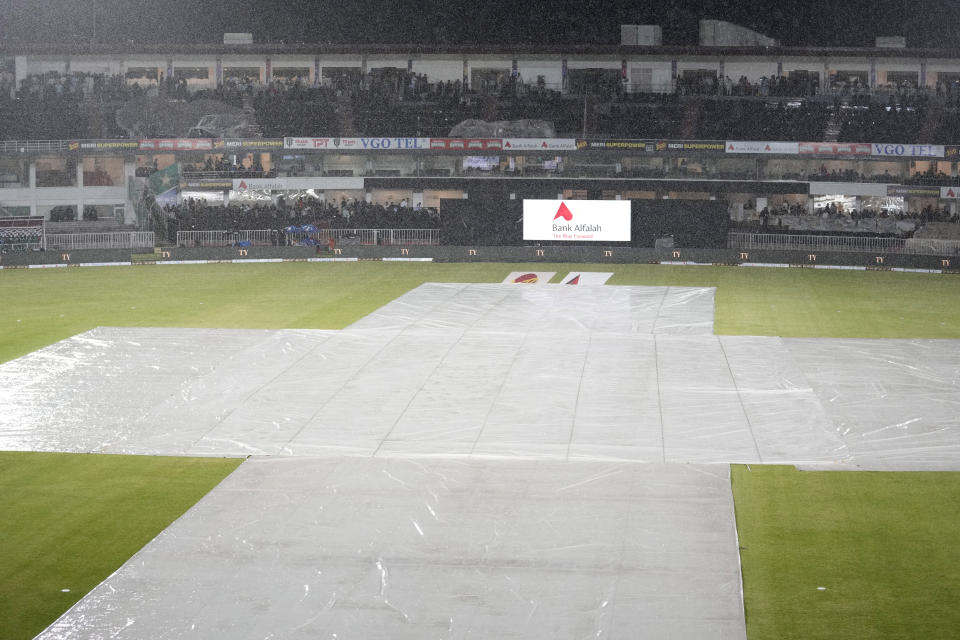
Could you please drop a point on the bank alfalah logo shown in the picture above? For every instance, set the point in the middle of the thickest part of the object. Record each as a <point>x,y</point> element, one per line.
<point>563,212</point>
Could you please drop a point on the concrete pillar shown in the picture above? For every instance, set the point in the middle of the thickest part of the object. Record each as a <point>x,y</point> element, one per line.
<point>20,70</point>
<point>129,173</point>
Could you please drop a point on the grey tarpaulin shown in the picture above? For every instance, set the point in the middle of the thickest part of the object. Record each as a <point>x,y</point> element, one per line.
<point>552,372</point>
<point>518,398</point>
<point>351,547</point>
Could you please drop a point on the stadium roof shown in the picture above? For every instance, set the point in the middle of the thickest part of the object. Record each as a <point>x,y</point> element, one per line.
<point>471,49</point>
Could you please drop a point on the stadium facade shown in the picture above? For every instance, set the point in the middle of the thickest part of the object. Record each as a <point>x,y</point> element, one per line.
<point>63,179</point>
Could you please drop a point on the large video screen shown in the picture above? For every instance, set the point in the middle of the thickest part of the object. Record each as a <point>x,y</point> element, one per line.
<point>577,220</point>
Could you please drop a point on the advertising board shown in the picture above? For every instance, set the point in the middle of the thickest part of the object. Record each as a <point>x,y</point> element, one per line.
<point>577,220</point>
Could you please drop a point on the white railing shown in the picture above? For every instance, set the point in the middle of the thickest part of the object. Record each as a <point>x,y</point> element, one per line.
<point>781,242</point>
<point>933,246</point>
<point>106,240</point>
<point>383,237</point>
<point>256,237</point>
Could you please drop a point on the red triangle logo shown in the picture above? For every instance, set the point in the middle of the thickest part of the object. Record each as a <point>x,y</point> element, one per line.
<point>730,147</point>
<point>563,212</point>
<point>543,145</point>
<point>950,193</point>
<point>574,280</point>
<point>243,184</point>
<point>766,148</point>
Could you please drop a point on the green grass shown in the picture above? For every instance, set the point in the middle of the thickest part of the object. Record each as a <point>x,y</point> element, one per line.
<point>42,306</point>
<point>886,546</point>
<point>67,521</point>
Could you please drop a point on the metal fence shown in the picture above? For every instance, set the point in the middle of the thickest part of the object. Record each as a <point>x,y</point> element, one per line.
<point>32,146</point>
<point>255,237</point>
<point>107,240</point>
<point>869,244</point>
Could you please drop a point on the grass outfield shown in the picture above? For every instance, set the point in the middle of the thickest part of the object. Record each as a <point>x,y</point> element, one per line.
<point>886,547</point>
<point>42,306</point>
<point>873,545</point>
<point>70,520</point>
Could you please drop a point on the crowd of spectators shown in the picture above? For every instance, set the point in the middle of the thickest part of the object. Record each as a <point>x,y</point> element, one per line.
<point>396,102</point>
<point>223,167</point>
<point>195,215</point>
<point>19,240</point>
<point>930,177</point>
<point>757,120</point>
<point>778,86</point>
<point>771,217</point>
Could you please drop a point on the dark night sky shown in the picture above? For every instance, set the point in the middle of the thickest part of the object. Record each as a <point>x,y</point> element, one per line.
<point>926,23</point>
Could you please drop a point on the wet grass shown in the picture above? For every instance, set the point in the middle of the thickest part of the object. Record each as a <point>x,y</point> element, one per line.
<point>848,554</point>
<point>67,521</point>
<point>43,306</point>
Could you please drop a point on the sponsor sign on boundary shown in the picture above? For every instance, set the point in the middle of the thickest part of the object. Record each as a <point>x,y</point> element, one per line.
<point>836,148</point>
<point>779,265</point>
<point>655,146</point>
<point>248,143</point>
<point>295,184</point>
<point>539,144</point>
<point>339,144</point>
<point>913,191</point>
<point>908,150</point>
<point>407,259</point>
<point>841,267</point>
<point>102,145</point>
<point>176,144</point>
<point>211,185</point>
<point>577,220</point>
<point>529,277</point>
<point>745,146</point>
<point>949,193</point>
<point>715,264</point>
<point>466,144</point>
